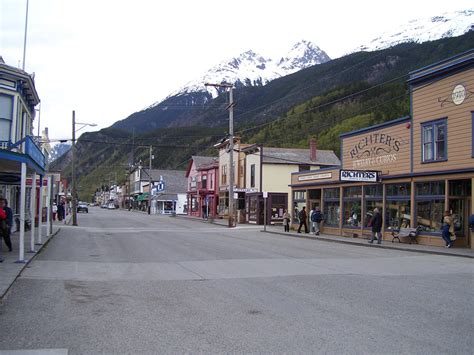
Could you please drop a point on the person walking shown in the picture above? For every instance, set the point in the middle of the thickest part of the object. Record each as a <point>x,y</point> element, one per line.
<point>55,210</point>
<point>316,219</point>
<point>303,216</point>
<point>4,223</point>
<point>376,227</point>
<point>286,220</point>
<point>61,212</point>
<point>447,229</point>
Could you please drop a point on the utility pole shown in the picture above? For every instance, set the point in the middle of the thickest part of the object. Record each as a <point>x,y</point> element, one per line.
<point>230,107</point>
<point>24,40</point>
<point>149,181</point>
<point>73,178</point>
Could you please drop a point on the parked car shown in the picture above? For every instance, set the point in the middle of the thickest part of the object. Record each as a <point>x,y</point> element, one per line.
<point>111,206</point>
<point>82,207</point>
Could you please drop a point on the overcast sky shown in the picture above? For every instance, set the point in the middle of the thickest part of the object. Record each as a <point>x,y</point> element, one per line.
<point>106,59</point>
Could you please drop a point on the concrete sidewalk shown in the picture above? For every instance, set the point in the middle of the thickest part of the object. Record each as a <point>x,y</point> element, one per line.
<point>11,268</point>
<point>386,244</point>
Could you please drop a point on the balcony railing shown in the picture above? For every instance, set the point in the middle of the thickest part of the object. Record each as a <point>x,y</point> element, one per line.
<point>28,147</point>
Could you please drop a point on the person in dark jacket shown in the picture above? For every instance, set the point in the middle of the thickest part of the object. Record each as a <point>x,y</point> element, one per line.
<point>316,219</point>
<point>7,221</point>
<point>376,226</point>
<point>303,216</point>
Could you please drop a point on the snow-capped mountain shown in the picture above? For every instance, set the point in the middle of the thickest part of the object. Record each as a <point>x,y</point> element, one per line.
<point>253,69</point>
<point>450,24</point>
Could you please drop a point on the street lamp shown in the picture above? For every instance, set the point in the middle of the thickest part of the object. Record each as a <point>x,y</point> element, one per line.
<point>73,153</point>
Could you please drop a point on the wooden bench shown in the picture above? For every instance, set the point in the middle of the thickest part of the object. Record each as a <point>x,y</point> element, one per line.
<point>411,233</point>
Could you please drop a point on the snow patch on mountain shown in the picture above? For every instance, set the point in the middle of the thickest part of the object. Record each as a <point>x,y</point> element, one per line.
<point>450,24</point>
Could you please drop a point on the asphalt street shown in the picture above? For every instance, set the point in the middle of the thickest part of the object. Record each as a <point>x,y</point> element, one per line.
<point>128,283</point>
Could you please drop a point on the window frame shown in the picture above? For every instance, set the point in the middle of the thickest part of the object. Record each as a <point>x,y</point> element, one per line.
<point>9,119</point>
<point>434,142</point>
<point>252,175</point>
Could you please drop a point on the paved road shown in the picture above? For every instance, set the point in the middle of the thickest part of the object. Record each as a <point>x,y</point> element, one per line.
<point>125,282</point>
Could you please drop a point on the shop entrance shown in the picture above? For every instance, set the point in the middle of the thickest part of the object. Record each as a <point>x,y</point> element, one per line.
<point>314,199</point>
<point>460,207</point>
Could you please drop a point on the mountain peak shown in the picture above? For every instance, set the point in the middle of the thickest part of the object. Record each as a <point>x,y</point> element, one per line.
<point>449,24</point>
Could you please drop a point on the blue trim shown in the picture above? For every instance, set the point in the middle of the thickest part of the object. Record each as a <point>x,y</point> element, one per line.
<point>433,124</point>
<point>377,126</point>
<point>22,158</point>
<point>450,62</point>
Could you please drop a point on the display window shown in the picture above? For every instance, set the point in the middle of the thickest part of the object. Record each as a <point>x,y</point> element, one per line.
<point>332,207</point>
<point>351,206</point>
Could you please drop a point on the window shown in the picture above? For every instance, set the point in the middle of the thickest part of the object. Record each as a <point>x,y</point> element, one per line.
<point>252,175</point>
<point>6,115</point>
<point>204,182</point>
<point>351,206</point>
<point>299,201</point>
<point>373,196</point>
<point>397,206</point>
<point>430,205</point>
<point>331,206</point>
<point>224,174</point>
<point>304,167</point>
<point>434,141</point>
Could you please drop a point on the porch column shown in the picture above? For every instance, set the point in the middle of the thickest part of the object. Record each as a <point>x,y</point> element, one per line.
<point>21,247</point>
<point>32,212</point>
<point>48,206</point>
<point>40,212</point>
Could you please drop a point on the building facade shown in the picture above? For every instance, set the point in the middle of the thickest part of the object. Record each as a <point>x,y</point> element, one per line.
<point>269,170</point>
<point>202,194</point>
<point>425,162</point>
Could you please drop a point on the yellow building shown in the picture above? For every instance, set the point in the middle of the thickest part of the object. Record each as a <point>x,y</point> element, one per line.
<point>424,163</point>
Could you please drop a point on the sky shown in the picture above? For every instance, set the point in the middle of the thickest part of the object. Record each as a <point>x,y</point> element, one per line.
<point>106,59</point>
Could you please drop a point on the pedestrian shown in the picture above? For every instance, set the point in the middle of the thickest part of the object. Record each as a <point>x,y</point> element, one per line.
<point>303,216</point>
<point>376,227</point>
<point>316,219</point>
<point>6,220</point>
<point>286,220</point>
<point>60,211</point>
<point>55,210</point>
<point>471,222</point>
<point>447,229</point>
<point>204,214</point>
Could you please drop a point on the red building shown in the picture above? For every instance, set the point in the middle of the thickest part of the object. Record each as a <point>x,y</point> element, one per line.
<point>202,193</point>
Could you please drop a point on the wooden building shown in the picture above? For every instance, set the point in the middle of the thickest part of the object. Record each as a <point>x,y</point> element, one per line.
<point>425,160</point>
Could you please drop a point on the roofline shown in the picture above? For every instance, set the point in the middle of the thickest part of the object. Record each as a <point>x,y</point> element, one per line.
<point>377,126</point>
<point>446,60</point>
<point>22,74</point>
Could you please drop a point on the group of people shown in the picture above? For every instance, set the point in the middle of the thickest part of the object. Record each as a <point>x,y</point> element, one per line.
<point>316,218</point>
<point>58,211</point>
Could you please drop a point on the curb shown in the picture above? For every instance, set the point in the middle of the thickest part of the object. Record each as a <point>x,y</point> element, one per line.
<point>381,246</point>
<point>5,294</point>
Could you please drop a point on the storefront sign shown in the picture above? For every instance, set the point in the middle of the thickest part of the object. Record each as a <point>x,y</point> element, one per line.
<point>315,177</point>
<point>459,94</point>
<point>375,149</point>
<point>238,189</point>
<point>359,175</point>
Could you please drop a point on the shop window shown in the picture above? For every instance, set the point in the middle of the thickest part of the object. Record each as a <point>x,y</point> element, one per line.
<point>299,201</point>
<point>252,175</point>
<point>397,206</point>
<point>373,196</point>
<point>194,204</point>
<point>351,206</point>
<point>6,116</point>
<point>434,141</point>
<point>332,207</point>
<point>430,205</point>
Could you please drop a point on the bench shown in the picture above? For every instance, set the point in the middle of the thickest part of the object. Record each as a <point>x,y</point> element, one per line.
<point>411,233</point>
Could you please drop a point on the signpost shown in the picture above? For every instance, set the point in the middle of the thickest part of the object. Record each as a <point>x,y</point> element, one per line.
<point>265,195</point>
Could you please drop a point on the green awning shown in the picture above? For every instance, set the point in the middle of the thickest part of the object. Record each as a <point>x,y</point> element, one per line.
<point>142,197</point>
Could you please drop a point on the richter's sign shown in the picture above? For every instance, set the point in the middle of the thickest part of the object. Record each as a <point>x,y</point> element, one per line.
<point>359,175</point>
<point>375,149</point>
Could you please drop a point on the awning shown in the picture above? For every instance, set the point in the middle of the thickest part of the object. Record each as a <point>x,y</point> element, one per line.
<point>142,197</point>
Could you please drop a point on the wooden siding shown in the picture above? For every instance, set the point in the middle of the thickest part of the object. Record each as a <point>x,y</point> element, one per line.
<point>427,107</point>
<point>360,153</point>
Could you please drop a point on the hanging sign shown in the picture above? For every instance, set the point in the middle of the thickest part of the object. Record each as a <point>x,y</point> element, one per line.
<point>359,175</point>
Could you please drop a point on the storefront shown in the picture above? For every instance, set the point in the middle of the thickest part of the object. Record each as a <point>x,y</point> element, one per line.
<point>425,162</point>
<point>255,207</point>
